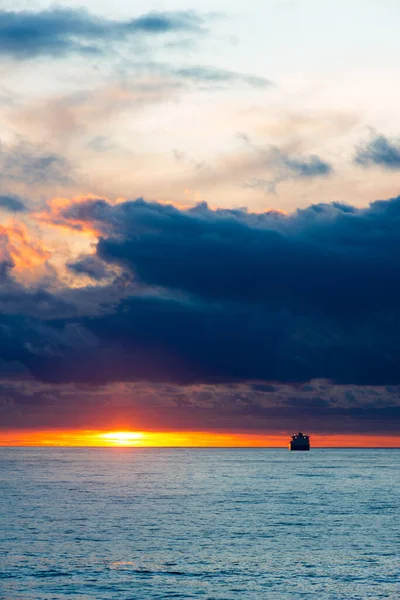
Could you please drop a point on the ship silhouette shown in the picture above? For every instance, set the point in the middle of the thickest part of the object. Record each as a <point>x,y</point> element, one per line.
<point>299,441</point>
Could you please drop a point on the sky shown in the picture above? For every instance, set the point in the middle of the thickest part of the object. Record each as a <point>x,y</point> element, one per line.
<point>199,219</point>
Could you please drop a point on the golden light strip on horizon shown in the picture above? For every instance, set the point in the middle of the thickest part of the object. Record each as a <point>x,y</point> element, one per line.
<point>142,439</point>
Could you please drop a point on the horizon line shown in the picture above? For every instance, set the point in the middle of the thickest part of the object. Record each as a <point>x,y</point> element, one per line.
<point>126,437</point>
<point>137,447</point>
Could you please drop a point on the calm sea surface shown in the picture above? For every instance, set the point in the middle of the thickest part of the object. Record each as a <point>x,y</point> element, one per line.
<point>147,524</point>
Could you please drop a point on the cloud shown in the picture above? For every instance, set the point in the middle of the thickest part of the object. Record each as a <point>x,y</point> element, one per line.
<point>285,165</point>
<point>90,112</point>
<point>232,296</point>
<point>32,164</point>
<point>18,250</point>
<point>12,203</point>
<point>57,32</point>
<point>215,76</point>
<point>224,318</point>
<point>304,168</point>
<point>57,208</point>
<point>235,407</point>
<point>91,266</point>
<point>379,151</point>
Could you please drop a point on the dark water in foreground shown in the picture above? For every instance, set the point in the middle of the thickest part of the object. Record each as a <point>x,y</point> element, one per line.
<point>243,524</point>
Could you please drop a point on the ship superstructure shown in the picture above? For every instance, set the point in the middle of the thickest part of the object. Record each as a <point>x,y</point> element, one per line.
<point>299,441</point>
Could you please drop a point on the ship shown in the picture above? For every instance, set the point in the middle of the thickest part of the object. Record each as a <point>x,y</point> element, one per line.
<point>299,441</point>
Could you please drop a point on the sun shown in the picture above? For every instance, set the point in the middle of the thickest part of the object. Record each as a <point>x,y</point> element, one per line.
<point>123,438</point>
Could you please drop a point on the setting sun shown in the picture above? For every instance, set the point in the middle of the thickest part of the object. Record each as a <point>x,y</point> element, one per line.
<point>123,438</point>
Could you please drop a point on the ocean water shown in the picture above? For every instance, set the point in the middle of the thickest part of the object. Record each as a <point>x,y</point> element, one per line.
<point>243,524</point>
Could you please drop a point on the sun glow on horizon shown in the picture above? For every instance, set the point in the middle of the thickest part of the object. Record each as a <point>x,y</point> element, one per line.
<point>196,439</point>
<point>123,438</point>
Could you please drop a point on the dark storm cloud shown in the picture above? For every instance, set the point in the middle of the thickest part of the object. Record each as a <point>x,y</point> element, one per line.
<point>12,203</point>
<point>160,339</point>
<point>21,302</point>
<point>59,31</point>
<point>229,296</point>
<point>380,151</point>
<point>327,259</point>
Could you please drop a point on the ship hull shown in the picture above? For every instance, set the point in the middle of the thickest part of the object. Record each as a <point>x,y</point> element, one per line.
<point>304,449</point>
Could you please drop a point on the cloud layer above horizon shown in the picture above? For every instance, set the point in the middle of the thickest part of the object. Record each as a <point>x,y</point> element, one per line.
<point>202,297</point>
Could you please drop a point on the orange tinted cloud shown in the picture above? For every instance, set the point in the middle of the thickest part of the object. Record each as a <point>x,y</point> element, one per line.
<point>53,215</point>
<point>18,247</point>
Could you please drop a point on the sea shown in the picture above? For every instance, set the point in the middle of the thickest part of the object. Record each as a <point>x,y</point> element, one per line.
<point>226,524</point>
